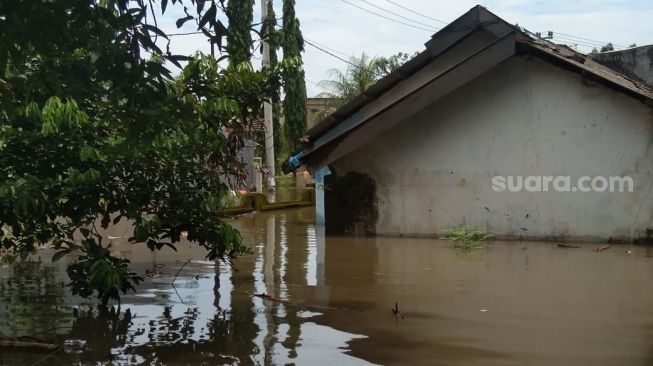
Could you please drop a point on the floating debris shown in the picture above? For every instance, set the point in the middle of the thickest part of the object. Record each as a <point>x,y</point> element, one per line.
<point>562,245</point>
<point>601,248</point>
<point>396,312</point>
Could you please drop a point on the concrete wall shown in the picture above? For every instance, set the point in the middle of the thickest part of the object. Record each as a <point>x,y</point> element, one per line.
<point>635,62</point>
<point>525,117</point>
<point>246,156</point>
<point>317,109</point>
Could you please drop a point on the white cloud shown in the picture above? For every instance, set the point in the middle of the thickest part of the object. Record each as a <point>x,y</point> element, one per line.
<point>351,31</point>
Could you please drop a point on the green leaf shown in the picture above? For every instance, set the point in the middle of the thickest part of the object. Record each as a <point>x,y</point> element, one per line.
<point>220,29</point>
<point>180,22</point>
<point>98,272</point>
<point>120,134</point>
<point>176,58</point>
<point>60,254</point>
<point>208,16</point>
<point>155,30</point>
<point>105,221</point>
<point>85,232</point>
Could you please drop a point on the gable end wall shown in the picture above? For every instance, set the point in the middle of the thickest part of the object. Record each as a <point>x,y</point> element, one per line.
<point>525,117</point>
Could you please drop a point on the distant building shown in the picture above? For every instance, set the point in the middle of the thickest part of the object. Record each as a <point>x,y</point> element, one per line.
<point>419,152</point>
<point>317,109</point>
<point>635,62</point>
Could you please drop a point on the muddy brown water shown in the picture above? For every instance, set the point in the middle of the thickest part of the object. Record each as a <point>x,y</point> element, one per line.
<point>509,303</point>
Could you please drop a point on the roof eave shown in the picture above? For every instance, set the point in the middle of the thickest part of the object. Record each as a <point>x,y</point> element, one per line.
<point>574,61</point>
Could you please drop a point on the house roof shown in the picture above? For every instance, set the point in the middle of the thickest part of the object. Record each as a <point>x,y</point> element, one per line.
<point>439,70</point>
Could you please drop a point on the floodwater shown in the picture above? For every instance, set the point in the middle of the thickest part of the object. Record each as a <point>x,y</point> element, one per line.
<point>509,303</point>
<point>289,187</point>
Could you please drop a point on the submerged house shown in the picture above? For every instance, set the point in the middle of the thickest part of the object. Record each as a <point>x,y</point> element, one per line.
<point>443,141</point>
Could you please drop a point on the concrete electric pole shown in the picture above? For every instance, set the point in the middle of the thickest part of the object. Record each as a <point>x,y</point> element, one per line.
<point>267,107</point>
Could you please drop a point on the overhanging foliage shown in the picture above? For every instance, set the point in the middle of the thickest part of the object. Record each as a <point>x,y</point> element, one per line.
<point>94,129</point>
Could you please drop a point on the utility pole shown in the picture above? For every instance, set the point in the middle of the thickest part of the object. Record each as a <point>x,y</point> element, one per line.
<point>267,107</point>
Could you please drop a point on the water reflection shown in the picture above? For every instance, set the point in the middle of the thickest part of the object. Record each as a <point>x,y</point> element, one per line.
<point>210,316</point>
<point>302,297</point>
<point>29,288</point>
<point>289,188</point>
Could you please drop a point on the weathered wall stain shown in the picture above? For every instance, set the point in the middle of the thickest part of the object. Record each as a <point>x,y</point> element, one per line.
<point>350,204</point>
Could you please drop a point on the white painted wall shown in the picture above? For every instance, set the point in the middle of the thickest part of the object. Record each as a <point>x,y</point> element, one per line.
<point>525,117</point>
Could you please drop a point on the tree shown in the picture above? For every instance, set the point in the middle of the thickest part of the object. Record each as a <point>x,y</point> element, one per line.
<point>93,133</point>
<point>239,37</point>
<point>608,47</point>
<point>273,36</point>
<point>386,65</point>
<point>294,103</point>
<point>361,73</point>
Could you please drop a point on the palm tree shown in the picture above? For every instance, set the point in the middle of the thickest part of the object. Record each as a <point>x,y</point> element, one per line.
<point>361,74</point>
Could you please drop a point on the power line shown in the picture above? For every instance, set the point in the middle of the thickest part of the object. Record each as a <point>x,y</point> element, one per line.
<point>339,58</point>
<point>416,12</point>
<point>582,43</point>
<point>399,15</point>
<point>330,51</point>
<point>183,34</point>
<point>579,41</point>
<point>569,37</point>
<point>327,47</point>
<point>385,17</point>
<point>571,42</point>
<point>332,54</point>
<point>576,42</point>
<point>590,40</point>
<point>572,37</point>
<point>563,37</point>
<point>315,44</point>
<point>200,32</point>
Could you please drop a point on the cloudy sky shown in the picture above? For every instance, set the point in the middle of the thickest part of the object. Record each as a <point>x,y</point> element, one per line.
<point>343,28</point>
